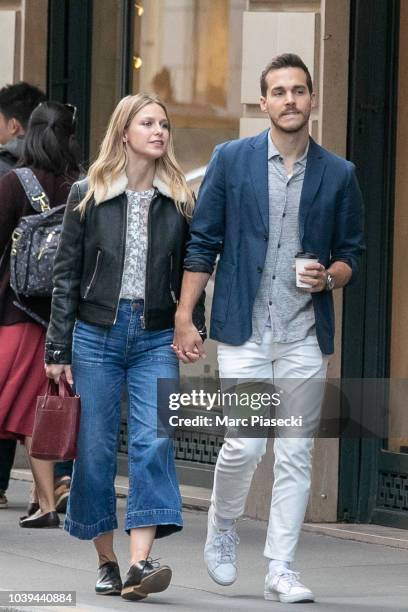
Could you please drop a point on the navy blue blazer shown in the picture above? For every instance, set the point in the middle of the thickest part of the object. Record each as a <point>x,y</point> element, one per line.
<point>231,218</point>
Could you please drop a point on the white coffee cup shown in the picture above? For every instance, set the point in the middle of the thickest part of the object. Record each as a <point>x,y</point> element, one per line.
<point>301,260</point>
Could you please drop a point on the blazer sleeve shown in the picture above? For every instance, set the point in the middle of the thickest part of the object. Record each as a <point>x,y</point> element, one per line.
<point>208,223</point>
<point>348,240</point>
<point>67,280</point>
<point>199,309</point>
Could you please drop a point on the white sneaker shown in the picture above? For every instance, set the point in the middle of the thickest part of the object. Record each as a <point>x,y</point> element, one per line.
<point>219,552</point>
<point>284,586</point>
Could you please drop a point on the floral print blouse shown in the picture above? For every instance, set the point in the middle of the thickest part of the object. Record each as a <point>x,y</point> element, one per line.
<point>134,272</point>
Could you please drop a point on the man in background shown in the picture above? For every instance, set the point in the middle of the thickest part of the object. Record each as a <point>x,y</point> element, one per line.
<point>17,102</point>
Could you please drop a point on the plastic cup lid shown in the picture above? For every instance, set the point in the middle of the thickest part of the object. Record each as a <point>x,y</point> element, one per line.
<point>306,256</point>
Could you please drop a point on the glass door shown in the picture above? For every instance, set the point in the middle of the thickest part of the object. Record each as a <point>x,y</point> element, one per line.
<point>393,463</point>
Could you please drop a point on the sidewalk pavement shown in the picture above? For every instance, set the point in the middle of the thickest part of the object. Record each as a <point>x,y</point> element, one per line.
<point>345,575</point>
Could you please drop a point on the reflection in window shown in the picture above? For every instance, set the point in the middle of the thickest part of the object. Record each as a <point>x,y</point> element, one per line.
<point>189,53</point>
<point>106,67</point>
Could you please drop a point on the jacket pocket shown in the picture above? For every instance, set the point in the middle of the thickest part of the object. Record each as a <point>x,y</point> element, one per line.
<point>222,290</point>
<point>92,280</point>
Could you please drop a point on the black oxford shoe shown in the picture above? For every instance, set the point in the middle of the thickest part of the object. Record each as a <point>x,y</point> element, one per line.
<point>145,577</point>
<point>38,520</point>
<point>108,581</point>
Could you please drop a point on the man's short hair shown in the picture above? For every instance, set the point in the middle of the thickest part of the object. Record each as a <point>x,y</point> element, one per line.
<point>19,100</point>
<point>286,60</point>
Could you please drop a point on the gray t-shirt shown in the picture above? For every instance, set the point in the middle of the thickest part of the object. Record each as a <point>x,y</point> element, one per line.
<point>134,271</point>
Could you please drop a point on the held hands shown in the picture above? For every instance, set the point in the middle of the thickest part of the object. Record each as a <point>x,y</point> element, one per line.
<point>315,275</point>
<point>187,342</point>
<point>54,371</point>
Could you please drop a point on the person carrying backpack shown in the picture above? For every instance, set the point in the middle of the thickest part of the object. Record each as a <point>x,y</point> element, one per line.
<point>17,102</point>
<point>50,153</point>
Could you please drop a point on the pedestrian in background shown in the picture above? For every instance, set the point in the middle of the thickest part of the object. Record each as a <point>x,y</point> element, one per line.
<point>117,277</point>
<point>16,105</point>
<point>49,150</point>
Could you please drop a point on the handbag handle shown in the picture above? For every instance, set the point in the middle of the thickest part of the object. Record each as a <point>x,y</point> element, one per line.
<point>62,389</point>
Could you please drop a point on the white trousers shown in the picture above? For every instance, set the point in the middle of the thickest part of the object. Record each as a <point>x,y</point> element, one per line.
<point>239,457</point>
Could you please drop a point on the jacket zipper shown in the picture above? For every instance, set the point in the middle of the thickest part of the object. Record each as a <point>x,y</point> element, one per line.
<point>124,238</point>
<point>149,242</point>
<point>173,295</point>
<point>93,275</point>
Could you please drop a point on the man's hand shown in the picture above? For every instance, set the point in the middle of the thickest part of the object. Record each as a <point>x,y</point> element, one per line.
<point>315,275</point>
<point>187,342</point>
<point>54,371</point>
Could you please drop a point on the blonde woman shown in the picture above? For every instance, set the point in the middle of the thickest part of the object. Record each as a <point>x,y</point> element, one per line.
<point>117,278</point>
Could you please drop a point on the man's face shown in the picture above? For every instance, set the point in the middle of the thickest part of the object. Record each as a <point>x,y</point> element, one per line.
<point>288,101</point>
<point>9,128</point>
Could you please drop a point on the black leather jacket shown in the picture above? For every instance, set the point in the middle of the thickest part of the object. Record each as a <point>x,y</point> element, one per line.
<point>89,265</point>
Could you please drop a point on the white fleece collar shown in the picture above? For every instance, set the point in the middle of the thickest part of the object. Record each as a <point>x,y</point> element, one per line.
<point>119,185</point>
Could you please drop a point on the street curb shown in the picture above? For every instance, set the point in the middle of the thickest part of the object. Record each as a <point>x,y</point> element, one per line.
<point>199,499</point>
<point>370,534</point>
<point>193,498</point>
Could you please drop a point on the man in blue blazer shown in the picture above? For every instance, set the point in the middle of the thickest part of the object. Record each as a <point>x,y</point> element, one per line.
<point>263,200</point>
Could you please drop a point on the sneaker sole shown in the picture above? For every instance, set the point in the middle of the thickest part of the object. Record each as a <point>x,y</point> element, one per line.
<point>155,583</point>
<point>273,596</point>
<point>218,581</point>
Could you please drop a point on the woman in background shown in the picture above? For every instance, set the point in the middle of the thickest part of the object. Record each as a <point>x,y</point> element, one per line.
<point>50,152</point>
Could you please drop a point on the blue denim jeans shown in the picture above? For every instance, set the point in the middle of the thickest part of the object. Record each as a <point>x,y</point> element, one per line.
<point>103,359</point>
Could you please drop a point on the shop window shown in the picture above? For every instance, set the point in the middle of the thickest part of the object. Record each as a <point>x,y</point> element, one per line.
<point>189,53</point>
<point>106,72</point>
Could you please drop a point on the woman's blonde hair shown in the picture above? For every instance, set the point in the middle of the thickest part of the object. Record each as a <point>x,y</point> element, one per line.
<point>112,159</point>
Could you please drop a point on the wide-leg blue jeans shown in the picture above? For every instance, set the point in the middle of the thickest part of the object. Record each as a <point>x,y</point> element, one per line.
<point>103,360</point>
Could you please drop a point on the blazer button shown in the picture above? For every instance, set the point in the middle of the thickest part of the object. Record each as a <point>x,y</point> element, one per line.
<point>266,238</point>
<point>259,269</point>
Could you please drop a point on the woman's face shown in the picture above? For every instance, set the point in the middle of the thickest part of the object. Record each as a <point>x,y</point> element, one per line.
<point>148,133</point>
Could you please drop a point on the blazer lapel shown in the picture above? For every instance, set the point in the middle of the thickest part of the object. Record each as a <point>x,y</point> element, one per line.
<point>258,168</point>
<point>315,166</point>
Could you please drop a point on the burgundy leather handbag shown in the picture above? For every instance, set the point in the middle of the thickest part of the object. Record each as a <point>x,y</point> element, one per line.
<point>56,423</point>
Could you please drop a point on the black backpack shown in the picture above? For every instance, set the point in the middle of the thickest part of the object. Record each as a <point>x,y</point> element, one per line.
<point>34,241</point>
